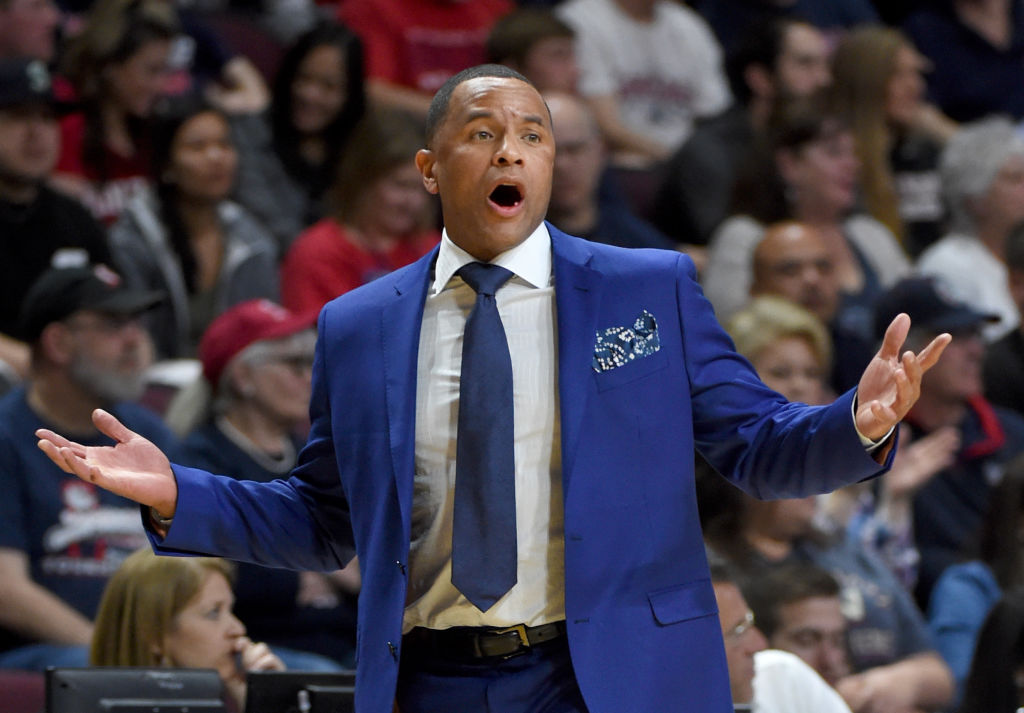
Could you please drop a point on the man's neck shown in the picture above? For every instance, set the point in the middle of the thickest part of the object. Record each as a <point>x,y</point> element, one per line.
<point>61,403</point>
<point>931,413</point>
<point>18,191</point>
<point>641,10</point>
<point>265,433</point>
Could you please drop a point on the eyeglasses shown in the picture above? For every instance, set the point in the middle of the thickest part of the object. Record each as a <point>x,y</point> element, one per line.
<point>742,628</point>
<point>296,363</point>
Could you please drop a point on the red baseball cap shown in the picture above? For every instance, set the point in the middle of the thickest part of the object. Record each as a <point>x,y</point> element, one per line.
<point>245,324</point>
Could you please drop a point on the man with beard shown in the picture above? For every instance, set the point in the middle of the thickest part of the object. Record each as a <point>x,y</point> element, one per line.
<point>60,538</point>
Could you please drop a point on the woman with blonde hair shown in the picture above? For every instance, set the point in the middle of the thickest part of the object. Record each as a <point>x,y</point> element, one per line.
<point>878,88</point>
<point>176,612</point>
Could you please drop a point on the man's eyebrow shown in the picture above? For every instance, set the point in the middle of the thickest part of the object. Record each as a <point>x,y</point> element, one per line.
<point>478,114</point>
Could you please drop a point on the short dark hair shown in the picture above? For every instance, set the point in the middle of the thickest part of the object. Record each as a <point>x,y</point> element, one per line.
<point>514,35</point>
<point>784,585</point>
<point>439,105</point>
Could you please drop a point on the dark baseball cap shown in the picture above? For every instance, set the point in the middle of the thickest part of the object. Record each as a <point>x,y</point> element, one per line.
<point>25,81</point>
<point>930,306</point>
<point>60,292</point>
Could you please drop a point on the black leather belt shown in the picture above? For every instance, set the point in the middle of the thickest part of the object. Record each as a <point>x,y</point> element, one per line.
<point>472,643</point>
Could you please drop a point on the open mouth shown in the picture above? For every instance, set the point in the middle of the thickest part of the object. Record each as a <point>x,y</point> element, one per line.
<point>506,196</point>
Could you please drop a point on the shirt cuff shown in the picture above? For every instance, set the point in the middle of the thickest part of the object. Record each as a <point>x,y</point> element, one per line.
<point>869,445</point>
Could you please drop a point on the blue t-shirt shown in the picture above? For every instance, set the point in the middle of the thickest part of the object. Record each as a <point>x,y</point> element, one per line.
<point>75,534</point>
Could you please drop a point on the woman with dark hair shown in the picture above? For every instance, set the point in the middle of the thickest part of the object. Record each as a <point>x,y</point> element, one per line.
<point>966,592</point>
<point>381,218</point>
<point>289,155</point>
<point>996,681</point>
<point>117,66</point>
<point>805,169</point>
<point>203,251</point>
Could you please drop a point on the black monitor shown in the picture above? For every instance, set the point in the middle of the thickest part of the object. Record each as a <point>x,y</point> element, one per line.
<point>300,692</point>
<point>112,689</point>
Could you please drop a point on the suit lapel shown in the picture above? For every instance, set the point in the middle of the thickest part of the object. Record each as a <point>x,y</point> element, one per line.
<point>401,320</point>
<point>577,298</point>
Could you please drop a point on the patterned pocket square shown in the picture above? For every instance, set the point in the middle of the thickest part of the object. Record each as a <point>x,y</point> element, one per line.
<point>617,346</point>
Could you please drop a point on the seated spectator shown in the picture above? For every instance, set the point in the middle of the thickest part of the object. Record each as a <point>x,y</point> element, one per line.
<point>61,538</point>
<point>177,612</point>
<point>538,45</point>
<point>776,62</point>
<point>413,46</point>
<point>257,359</point>
<point>806,170</point>
<point>381,221</point>
<point>949,509</point>
<point>188,240</point>
<point>983,181</point>
<point>28,29</point>
<point>650,68</point>
<point>976,50</point>
<point>878,87</point>
<point>117,66</point>
<point>289,151</point>
<point>967,591</point>
<point>584,201</point>
<point>40,227</point>
<point>772,681</point>
<point>1004,358</point>
<point>994,681</point>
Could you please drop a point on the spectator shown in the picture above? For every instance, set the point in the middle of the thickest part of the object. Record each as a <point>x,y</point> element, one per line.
<point>878,87</point>
<point>584,201</point>
<point>177,612</point>
<point>772,681</point>
<point>117,66</point>
<point>994,681</point>
<point>650,68</point>
<point>382,217</point>
<point>805,170</point>
<point>40,227</point>
<point>60,538</point>
<point>967,591</point>
<point>28,28</point>
<point>538,45</point>
<point>288,156</point>
<point>982,171</point>
<point>1004,358</point>
<point>776,62</point>
<point>948,510</point>
<point>976,49</point>
<point>188,240</point>
<point>413,46</point>
<point>257,359</point>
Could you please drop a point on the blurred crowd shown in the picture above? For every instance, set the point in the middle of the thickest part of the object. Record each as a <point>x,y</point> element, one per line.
<point>185,183</point>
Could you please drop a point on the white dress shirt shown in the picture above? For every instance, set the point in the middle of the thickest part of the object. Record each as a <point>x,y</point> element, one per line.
<point>526,304</point>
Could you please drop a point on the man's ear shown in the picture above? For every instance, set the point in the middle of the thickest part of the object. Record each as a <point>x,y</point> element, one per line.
<point>425,161</point>
<point>760,81</point>
<point>56,343</point>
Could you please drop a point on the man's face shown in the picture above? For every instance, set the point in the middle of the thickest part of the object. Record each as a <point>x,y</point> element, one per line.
<point>27,28</point>
<point>742,639</point>
<point>792,261</point>
<point>957,375</point>
<point>491,162</point>
<point>109,354</point>
<point>29,144</point>
<point>814,629</point>
<point>802,67</point>
<point>579,159</point>
<point>551,65</point>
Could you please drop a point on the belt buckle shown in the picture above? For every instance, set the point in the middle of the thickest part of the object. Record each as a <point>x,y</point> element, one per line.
<point>520,631</point>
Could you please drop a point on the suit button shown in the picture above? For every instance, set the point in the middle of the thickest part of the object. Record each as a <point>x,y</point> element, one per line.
<point>401,566</point>
<point>393,650</point>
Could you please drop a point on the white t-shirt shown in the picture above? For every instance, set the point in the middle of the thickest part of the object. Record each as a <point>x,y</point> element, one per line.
<point>783,683</point>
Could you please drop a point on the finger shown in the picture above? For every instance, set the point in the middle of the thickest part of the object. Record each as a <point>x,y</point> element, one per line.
<point>58,440</point>
<point>53,453</point>
<point>109,425</point>
<point>895,335</point>
<point>77,466</point>
<point>912,367</point>
<point>931,353</point>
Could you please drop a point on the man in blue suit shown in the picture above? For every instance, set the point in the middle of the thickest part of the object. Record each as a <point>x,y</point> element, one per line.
<point>620,371</point>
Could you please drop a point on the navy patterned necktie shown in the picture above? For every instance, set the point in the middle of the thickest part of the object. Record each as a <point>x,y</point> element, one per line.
<point>484,553</point>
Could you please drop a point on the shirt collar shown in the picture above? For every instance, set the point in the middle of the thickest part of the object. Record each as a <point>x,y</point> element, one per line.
<point>530,260</point>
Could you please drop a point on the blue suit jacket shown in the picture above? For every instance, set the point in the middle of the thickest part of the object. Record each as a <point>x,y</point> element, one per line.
<point>641,614</point>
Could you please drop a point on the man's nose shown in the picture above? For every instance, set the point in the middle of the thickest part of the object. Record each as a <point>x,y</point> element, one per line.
<point>508,152</point>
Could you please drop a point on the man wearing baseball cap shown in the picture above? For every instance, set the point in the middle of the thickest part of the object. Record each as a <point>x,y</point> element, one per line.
<point>60,538</point>
<point>949,507</point>
<point>38,226</point>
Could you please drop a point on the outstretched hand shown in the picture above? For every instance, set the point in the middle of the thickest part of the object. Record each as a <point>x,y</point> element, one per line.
<point>133,468</point>
<point>891,384</point>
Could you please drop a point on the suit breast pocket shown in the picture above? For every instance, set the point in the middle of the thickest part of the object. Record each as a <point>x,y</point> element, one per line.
<point>627,373</point>
<point>682,602</point>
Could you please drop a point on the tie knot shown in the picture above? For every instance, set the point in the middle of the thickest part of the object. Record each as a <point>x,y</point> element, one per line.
<point>484,278</point>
